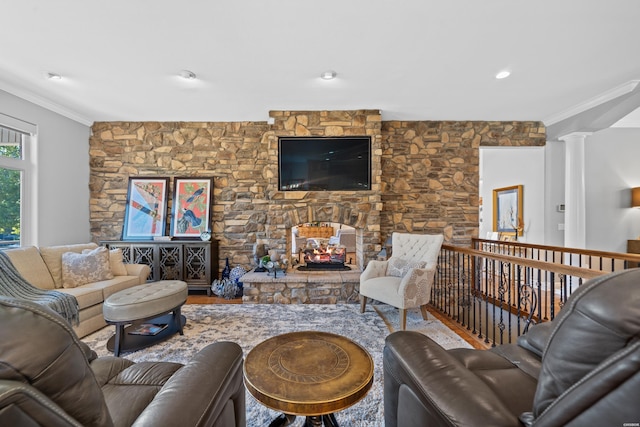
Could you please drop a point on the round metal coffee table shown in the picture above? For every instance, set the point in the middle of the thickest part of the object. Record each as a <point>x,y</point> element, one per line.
<point>312,374</point>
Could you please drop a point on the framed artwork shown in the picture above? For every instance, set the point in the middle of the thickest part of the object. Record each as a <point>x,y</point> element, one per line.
<point>191,210</point>
<point>145,215</point>
<point>507,210</point>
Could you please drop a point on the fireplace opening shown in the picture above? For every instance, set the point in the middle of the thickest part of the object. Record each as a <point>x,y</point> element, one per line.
<point>324,258</point>
<point>323,246</point>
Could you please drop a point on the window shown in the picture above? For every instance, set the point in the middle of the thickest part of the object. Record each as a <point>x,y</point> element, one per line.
<point>16,176</point>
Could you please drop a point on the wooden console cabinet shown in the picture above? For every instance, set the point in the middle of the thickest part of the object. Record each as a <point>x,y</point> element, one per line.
<point>195,262</point>
<point>321,232</point>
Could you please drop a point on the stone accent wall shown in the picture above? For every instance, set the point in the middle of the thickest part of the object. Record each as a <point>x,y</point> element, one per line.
<point>430,173</point>
<point>424,175</point>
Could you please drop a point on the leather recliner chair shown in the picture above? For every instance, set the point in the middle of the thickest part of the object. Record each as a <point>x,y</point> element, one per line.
<point>581,369</point>
<point>50,378</point>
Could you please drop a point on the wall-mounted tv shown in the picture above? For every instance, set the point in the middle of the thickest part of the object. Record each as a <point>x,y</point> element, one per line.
<point>324,164</point>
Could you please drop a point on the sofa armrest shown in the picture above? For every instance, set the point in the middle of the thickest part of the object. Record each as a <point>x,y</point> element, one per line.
<point>141,270</point>
<point>374,269</point>
<point>425,384</point>
<point>199,393</point>
<point>536,338</point>
<point>22,404</point>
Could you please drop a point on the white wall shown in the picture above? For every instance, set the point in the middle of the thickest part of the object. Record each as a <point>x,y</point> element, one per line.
<point>63,172</point>
<point>612,158</point>
<point>554,193</point>
<point>508,166</point>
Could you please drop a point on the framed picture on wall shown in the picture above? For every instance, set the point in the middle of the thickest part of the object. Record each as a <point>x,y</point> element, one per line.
<point>191,209</point>
<point>145,215</point>
<point>507,210</point>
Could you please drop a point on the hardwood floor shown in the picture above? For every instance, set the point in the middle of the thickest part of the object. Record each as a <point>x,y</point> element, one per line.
<point>204,299</point>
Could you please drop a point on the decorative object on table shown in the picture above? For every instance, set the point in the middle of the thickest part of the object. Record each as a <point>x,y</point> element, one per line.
<point>227,270</point>
<point>507,211</point>
<point>259,251</point>
<point>236,273</point>
<point>145,215</point>
<point>191,206</point>
<point>277,265</point>
<point>205,236</point>
<point>224,288</point>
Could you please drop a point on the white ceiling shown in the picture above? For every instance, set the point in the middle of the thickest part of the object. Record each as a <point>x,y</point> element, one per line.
<point>411,59</point>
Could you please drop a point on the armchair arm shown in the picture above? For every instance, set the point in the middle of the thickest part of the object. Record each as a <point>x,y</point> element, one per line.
<point>140,270</point>
<point>374,269</point>
<point>416,285</point>
<point>198,394</point>
<point>22,404</point>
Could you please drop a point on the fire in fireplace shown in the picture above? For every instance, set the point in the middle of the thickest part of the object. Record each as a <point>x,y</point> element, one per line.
<point>324,258</point>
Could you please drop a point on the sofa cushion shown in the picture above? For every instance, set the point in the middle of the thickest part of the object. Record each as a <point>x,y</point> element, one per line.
<point>52,256</point>
<point>111,286</point>
<point>86,296</point>
<point>31,266</point>
<point>116,261</point>
<point>86,267</point>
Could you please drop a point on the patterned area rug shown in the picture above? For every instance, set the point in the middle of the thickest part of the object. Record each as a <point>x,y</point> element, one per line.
<point>250,324</point>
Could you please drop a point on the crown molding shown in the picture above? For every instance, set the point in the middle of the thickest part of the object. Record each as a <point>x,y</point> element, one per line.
<point>46,103</point>
<point>593,102</point>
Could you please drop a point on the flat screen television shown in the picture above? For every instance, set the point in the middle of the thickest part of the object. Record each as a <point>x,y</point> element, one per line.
<point>324,164</point>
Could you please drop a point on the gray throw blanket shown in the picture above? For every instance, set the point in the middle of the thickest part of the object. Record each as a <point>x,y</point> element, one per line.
<point>12,284</point>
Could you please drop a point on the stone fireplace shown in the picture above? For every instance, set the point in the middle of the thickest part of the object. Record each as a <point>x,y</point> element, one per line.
<point>360,209</point>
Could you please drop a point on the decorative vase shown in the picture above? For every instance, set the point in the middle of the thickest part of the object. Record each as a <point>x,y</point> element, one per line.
<point>227,270</point>
<point>236,273</point>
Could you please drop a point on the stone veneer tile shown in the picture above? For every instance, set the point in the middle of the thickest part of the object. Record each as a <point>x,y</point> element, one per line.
<point>424,176</point>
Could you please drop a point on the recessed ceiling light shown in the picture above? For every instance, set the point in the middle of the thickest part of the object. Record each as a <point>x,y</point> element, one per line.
<point>328,75</point>
<point>503,74</point>
<point>54,76</point>
<point>187,75</point>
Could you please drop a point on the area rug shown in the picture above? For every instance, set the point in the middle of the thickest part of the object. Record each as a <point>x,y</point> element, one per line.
<point>431,327</point>
<point>250,324</point>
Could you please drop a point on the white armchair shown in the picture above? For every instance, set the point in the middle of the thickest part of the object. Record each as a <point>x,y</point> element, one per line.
<point>405,279</point>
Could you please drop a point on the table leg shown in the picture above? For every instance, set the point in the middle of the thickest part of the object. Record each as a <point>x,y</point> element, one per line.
<point>330,420</point>
<point>283,420</point>
<point>118,339</point>
<point>321,420</point>
<point>177,319</point>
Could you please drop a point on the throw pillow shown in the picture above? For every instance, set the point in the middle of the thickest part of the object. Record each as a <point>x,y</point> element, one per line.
<point>399,267</point>
<point>80,269</point>
<point>116,261</point>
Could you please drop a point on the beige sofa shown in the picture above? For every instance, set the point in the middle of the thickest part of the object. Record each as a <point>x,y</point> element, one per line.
<point>42,267</point>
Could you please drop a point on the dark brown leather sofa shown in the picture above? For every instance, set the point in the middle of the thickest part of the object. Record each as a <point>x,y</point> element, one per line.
<point>581,369</point>
<point>50,378</point>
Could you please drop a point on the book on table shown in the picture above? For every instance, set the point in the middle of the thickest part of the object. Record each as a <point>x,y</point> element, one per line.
<point>148,329</point>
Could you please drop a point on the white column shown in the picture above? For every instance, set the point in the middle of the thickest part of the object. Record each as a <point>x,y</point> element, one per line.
<point>574,190</point>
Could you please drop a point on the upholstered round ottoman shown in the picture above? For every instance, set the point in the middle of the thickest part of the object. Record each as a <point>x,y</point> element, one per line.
<point>152,310</point>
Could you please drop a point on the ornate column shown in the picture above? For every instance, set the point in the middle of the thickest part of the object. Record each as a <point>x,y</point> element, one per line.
<point>574,191</point>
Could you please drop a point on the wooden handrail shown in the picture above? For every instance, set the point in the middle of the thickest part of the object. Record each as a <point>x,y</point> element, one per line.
<point>568,270</point>
<point>588,252</point>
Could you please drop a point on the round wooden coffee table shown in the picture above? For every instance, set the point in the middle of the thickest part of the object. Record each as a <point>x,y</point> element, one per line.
<point>312,374</point>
